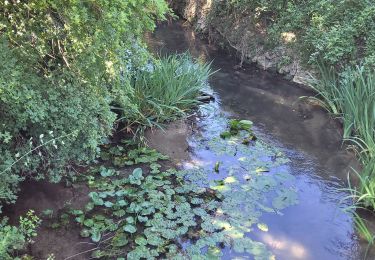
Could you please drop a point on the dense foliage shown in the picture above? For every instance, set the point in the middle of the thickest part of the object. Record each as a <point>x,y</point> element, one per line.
<point>62,65</point>
<point>14,238</point>
<point>336,32</point>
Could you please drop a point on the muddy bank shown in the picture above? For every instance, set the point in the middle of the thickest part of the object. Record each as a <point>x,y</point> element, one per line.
<point>171,140</point>
<point>57,236</point>
<point>245,35</point>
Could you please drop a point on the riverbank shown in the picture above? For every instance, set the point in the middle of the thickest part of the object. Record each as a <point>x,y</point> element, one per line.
<point>237,31</point>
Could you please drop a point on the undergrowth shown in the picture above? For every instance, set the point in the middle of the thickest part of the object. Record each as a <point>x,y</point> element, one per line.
<point>14,238</point>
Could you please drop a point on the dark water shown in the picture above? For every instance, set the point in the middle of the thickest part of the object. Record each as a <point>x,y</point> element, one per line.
<point>317,227</point>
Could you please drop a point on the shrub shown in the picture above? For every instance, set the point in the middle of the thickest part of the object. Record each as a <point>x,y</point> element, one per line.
<point>13,239</point>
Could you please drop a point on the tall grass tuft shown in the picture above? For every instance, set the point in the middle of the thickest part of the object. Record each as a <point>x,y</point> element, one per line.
<point>163,91</point>
<point>351,97</point>
<point>169,89</point>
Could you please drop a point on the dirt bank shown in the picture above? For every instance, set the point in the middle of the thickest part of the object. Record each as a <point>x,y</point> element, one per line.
<point>246,35</point>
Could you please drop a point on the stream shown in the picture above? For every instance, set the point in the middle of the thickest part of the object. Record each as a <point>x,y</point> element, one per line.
<point>277,196</point>
<point>297,166</point>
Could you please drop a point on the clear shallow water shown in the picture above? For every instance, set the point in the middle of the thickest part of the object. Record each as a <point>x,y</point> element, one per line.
<point>314,228</point>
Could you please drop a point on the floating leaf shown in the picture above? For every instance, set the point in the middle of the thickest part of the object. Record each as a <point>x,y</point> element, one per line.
<point>245,124</point>
<point>225,134</point>
<point>88,222</point>
<point>85,233</point>
<point>130,228</point>
<point>217,165</point>
<point>108,204</point>
<point>263,227</point>
<point>262,169</point>
<point>96,198</point>
<point>214,252</point>
<point>130,220</point>
<point>140,240</point>
<point>95,235</point>
<point>230,179</point>
<point>122,203</point>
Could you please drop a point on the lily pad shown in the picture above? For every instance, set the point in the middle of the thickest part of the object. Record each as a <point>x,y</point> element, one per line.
<point>130,228</point>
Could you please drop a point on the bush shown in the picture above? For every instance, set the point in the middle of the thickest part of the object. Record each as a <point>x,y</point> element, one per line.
<point>13,239</point>
<point>62,64</point>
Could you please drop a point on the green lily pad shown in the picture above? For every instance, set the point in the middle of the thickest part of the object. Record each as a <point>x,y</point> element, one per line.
<point>85,233</point>
<point>140,240</point>
<point>130,228</point>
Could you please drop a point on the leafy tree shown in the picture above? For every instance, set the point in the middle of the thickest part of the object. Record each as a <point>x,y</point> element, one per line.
<point>62,64</point>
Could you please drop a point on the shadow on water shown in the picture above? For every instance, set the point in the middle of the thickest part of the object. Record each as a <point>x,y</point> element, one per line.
<point>314,228</point>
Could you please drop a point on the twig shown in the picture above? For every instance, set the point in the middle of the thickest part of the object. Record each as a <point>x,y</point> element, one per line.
<point>81,253</point>
<point>36,148</point>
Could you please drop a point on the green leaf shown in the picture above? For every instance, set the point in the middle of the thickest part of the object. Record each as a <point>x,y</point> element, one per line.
<point>80,219</point>
<point>213,253</point>
<point>106,172</point>
<point>263,227</point>
<point>130,220</point>
<point>76,212</point>
<point>137,173</point>
<point>89,222</point>
<point>108,204</point>
<point>140,240</point>
<point>136,177</point>
<point>130,228</point>
<point>89,206</point>
<point>95,235</point>
<point>122,203</point>
<point>142,218</point>
<point>96,198</point>
<point>262,169</point>
<point>85,233</point>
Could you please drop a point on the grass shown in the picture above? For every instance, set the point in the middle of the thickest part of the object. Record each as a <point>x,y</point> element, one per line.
<point>169,89</point>
<point>350,96</point>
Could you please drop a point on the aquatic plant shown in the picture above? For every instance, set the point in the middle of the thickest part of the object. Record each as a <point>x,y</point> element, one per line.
<point>351,97</point>
<point>235,126</point>
<point>168,89</point>
<point>145,214</point>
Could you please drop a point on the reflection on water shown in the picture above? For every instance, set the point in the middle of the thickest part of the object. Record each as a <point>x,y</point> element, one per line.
<point>316,227</point>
